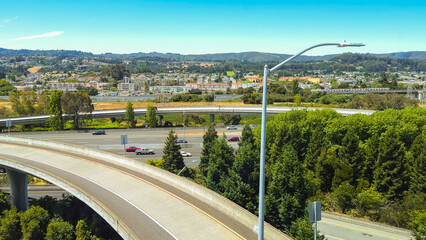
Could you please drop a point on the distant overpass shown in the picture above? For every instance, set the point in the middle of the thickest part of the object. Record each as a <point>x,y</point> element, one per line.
<point>212,110</point>
<point>138,200</point>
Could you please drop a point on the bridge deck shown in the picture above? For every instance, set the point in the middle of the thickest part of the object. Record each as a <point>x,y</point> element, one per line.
<point>142,205</point>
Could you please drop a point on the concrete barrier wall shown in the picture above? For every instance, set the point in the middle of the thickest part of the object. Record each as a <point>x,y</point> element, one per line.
<point>206,195</point>
<point>98,207</point>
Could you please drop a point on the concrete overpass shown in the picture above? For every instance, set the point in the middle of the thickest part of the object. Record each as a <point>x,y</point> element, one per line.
<point>138,200</point>
<point>212,110</point>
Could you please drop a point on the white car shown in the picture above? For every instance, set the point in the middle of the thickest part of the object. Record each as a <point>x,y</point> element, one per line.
<point>141,151</point>
<point>185,154</point>
<point>232,127</point>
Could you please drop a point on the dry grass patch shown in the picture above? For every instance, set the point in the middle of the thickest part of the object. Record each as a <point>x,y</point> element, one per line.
<point>6,105</point>
<point>122,105</point>
<point>34,69</point>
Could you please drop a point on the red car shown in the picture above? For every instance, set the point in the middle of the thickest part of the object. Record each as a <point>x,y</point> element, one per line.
<point>233,139</point>
<point>131,149</point>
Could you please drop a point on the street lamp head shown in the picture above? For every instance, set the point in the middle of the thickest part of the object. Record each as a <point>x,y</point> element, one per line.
<point>346,44</point>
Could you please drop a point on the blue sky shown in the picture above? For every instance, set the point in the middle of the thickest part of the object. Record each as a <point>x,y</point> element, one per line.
<point>197,27</point>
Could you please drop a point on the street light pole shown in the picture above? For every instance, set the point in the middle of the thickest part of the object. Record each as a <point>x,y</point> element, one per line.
<point>266,72</point>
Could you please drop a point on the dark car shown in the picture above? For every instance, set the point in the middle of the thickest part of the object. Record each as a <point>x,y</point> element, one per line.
<point>181,141</point>
<point>233,139</point>
<point>99,132</point>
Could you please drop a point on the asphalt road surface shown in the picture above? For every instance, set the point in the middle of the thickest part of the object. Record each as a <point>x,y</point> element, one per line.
<point>139,137</point>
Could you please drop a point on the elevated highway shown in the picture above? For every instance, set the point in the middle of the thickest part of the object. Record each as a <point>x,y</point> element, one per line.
<point>138,200</point>
<point>245,110</point>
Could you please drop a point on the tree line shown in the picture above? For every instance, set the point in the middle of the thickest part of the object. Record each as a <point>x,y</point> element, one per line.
<point>77,104</point>
<point>51,219</point>
<point>368,166</point>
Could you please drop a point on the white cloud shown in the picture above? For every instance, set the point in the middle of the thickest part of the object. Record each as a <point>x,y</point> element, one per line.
<point>3,22</point>
<point>50,34</point>
<point>8,20</point>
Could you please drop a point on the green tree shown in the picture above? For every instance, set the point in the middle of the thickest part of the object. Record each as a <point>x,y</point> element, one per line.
<point>418,224</point>
<point>55,110</point>
<point>369,203</point>
<point>390,174</point>
<point>295,87</point>
<point>416,159</point>
<point>288,190</point>
<point>4,202</point>
<point>208,140</point>
<point>243,184</point>
<point>221,159</point>
<point>76,103</point>
<point>34,223</point>
<point>59,230</point>
<point>230,119</point>
<point>172,159</point>
<point>83,232</point>
<point>301,229</point>
<point>130,115</point>
<point>24,103</point>
<point>116,71</point>
<point>10,228</point>
<point>151,116</point>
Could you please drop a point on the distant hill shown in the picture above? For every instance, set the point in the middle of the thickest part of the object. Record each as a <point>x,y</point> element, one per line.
<point>26,52</point>
<point>243,56</point>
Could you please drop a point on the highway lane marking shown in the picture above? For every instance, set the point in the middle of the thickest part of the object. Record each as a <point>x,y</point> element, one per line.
<point>328,236</point>
<point>92,198</point>
<point>146,181</point>
<point>162,189</point>
<point>358,229</point>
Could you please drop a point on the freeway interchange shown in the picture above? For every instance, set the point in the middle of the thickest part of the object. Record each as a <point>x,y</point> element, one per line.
<point>333,227</point>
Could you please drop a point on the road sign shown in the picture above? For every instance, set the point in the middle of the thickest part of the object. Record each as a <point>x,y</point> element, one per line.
<point>123,139</point>
<point>8,123</point>
<point>315,211</point>
<point>315,215</point>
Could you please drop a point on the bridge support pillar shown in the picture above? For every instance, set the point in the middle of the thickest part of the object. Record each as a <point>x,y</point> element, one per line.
<point>18,189</point>
<point>211,118</point>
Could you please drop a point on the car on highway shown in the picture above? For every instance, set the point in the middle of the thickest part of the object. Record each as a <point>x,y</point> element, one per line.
<point>185,154</point>
<point>141,151</point>
<point>233,139</point>
<point>232,127</point>
<point>99,132</point>
<point>181,141</point>
<point>131,149</point>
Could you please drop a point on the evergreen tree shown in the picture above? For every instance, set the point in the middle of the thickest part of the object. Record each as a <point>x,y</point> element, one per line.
<point>288,190</point>
<point>417,163</point>
<point>172,159</point>
<point>59,230</point>
<point>151,116</point>
<point>10,228</point>
<point>130,115</point>
<point>221,159</point>
<point>55,110</point>
<point>390,174</point>
<point>246,136</point>
<point>208,139</point>
<point>243,183</point>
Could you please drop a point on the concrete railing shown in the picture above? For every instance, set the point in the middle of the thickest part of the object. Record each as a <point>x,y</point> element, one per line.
<point>97,206</point>
<point>206,195</point>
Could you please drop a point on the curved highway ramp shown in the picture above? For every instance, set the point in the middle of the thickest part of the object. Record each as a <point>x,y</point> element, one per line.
<point>138,200</point>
